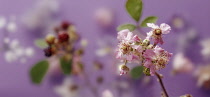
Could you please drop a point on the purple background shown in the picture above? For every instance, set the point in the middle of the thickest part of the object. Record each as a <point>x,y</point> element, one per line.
<point>14,79</point>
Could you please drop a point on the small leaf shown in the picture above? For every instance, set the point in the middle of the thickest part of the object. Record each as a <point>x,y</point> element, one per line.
<point>150,19</point>
<point>136,72</point>
<point>41,43</point>
<point>131,27</point>
<point>38,71</point>
<point>66,65</point>
<point>134,8</point>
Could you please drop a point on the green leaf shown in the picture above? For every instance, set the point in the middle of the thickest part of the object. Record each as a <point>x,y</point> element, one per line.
<point>131,27</point>
<point>134,8</point>
<point>41,43</point>
<point>150,19</point>
<point>38,71</point>
<point>136,72</point>
<point>66,65</point>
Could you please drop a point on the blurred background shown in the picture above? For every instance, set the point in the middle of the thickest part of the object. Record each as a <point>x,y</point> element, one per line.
<point>23,23</point>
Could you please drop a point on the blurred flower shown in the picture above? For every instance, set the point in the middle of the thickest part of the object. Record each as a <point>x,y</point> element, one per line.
<point>178,22</point>
<point>2,22</point>
<point>156,32</point>
<point>15,51</point>
<point>67,89</point>
<point>104,17</point>
<point>103,51</point>
<point>186,39</point>
<point>42,15</point>
<point>84,43</point>
<point>105,46</point>
<point>205,48</point>
<point>11,25</point>
<point>186,95</point>
<point>203,76</point>
<point>107,93</point>
<point>182,64</point>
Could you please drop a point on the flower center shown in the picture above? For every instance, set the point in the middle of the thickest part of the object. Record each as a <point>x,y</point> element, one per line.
<point>158,32</point>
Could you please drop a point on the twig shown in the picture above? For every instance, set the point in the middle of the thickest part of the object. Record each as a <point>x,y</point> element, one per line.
<point>161,84</point>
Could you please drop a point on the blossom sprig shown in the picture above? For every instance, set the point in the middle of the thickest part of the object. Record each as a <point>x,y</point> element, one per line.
<point>132,48</point>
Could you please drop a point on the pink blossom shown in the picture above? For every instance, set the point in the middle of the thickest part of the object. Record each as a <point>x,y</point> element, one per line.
<point>156,33</point>
<point>127,48</point>
<point>124,35</point>
<point>156,59</point>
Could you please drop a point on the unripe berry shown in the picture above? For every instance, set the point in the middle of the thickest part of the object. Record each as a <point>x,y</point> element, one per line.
<point>63,37</point>
<point>146,42</point>
<point>48,52</point>
<point>146,71</point>
<point>50,39</point>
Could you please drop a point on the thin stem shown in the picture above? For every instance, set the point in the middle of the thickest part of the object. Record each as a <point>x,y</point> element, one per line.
<point>161,84</point>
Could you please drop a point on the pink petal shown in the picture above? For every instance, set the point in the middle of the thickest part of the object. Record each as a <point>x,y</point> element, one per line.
<point>152,25</point>
<point>129,36</point>
<point>136,38</point>
<point>149,35</point>
<point>165,28</point>
<point>122,34</point>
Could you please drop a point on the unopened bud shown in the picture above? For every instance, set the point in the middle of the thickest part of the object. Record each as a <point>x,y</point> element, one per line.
<point>146,42</point>
<point>146,71</point>
<point>50,39</point>
<point>124,69</point>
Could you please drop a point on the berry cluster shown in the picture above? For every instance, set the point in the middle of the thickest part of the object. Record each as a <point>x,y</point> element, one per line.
<point>62,42</point>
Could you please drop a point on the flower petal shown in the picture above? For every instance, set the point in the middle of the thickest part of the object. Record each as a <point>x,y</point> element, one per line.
<point>165,28</point>
<point>152,25</point>
<point>122,34</point>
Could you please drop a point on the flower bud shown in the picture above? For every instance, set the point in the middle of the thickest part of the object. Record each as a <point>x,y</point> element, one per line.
<point>50,39</point>
<point>146,71</point>
<point>146,42</point>
<point>124,69</point>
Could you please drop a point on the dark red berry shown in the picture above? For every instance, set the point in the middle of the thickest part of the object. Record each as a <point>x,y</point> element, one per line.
<point>65,25</point>
<point>48,52</point>
<point>56,29</point>
<point>63,37</point>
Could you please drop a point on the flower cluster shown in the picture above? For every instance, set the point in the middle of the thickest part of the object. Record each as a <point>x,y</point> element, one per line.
<point>132,48</point>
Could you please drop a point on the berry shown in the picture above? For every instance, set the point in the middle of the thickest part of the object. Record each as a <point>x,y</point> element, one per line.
<point>50,39</point>
<point>65,25</point>
<point>63,37</point>
<point>48,52</point>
